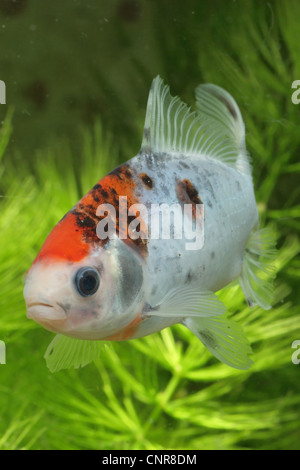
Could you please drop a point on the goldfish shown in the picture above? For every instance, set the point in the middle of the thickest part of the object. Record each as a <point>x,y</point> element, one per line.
<point>104,273</point>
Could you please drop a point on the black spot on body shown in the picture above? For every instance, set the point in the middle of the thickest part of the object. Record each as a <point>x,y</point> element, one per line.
<point>147,181</point>
<point>193,193</point>
<point>189,277</point>
<point>184,165</point>
<point>239,188</point>
<point>188,194</point>
<point>154,290</point>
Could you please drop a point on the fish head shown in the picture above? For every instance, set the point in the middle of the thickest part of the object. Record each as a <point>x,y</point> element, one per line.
<point>83,289</point>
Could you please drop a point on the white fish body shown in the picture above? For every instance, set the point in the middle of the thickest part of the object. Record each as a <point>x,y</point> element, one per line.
<point>186,158</point>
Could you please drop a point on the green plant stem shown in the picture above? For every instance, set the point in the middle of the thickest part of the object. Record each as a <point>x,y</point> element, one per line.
<point>162,399</point>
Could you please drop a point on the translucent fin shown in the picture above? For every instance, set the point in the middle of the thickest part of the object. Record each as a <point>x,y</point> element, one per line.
<point>257,275</point>
<point>64,353</point>
<point>188,301</point>
<point>224,338</point>
<point>219,111</point>
<point>171,126</point>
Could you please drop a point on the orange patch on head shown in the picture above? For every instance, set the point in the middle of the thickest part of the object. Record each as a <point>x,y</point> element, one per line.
<point>120,182</point>
<point>65,241</point>
<point>73,236</point>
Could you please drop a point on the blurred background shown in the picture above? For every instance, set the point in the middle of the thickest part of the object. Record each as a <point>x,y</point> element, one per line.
<point>77,77</point>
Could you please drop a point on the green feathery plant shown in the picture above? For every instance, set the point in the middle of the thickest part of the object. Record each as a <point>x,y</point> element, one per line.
<point>164,391</point>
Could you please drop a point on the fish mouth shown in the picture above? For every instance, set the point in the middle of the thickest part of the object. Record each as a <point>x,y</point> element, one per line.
<point>33,304</point>
<point>44,312</point>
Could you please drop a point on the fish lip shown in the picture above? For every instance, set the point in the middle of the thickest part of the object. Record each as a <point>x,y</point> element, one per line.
<point>42,311</point>
<point>38,304</point>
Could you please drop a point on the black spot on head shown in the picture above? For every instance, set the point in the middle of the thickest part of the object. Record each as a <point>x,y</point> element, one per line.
<point>127,172</point>
<point>86,224</point>
<point>212,255</point>
<point>122,172</point>
<point>104,194</point>
<point>147,181</point>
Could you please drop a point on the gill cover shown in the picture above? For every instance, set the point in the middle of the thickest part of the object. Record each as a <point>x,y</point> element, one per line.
<point>127,290</point>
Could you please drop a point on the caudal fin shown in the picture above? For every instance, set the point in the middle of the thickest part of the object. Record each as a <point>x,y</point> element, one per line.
<point>258,271</point>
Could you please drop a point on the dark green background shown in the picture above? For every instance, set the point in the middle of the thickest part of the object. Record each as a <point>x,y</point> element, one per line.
<point>78,73</point>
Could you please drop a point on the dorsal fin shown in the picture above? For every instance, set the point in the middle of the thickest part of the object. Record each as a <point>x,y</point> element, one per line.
<point>211,131</point>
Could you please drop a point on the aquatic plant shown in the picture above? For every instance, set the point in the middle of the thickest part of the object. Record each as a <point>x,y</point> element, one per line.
<point>164,391</point>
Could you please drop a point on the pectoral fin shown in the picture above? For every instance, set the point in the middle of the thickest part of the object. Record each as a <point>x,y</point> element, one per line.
<point>188,302</point>
<point>64,353</point>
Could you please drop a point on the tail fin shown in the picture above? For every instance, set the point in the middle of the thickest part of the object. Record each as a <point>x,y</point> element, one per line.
<point>257,271</point>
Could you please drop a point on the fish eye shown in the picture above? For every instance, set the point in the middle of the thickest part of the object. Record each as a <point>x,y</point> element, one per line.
<point>87,281</point>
